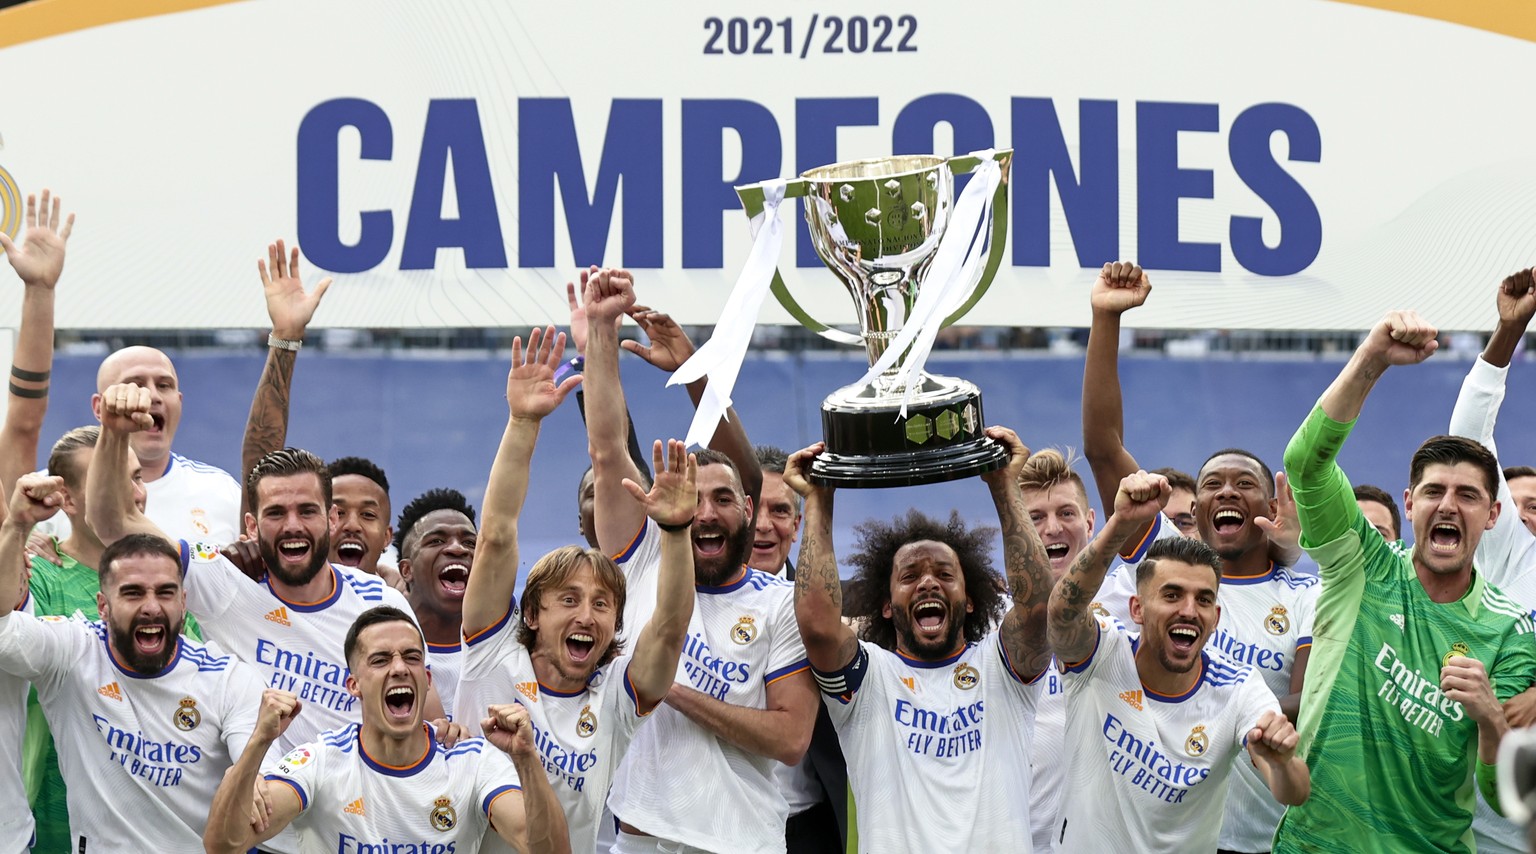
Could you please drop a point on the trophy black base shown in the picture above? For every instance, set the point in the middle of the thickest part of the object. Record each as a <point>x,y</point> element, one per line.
<point>870,445</point>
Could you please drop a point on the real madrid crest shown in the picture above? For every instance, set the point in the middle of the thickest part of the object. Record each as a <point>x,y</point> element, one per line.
<point>1197,742</point>
<point>443,816</point>
<point>745,630</point>
<point>1098,609</point>
<point>1457,648</point>
<point>586,723</point>
<point>1277,623</point>
<point>187,717</point>
<point>966,677</point>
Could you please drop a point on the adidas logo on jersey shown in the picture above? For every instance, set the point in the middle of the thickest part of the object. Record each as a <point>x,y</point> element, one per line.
<point>355,808</point>
<point>529,690</point>
<point>1132,699</point>
<point>279,616</point>
<point>1397,620</point>
<point>910,682</point>
<point>111,691</point>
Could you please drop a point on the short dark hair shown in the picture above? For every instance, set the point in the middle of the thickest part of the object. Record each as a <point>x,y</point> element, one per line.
<point>1269,476</point>
<point>1510,472</point>
<point>284,463</point>
<point>1184,480</point>
<point>876,560</point>
<point>430,501</point>
<point>1182,549</point>
<point>135,545</point>
<point>361,467</point>
<point>771,458</point>
<point>1450,450</point>
<point>373,617</point>
<point>1367,492</point>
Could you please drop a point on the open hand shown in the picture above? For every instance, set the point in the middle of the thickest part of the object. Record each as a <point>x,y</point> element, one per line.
<point>39,260</point>
<point>674,495</point>
<point>670,346</point>
<point>531,389</point>
<point>288,305</point>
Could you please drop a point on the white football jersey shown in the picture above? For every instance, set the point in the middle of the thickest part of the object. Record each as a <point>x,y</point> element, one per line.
<point>15,823</point>
<point>1506,556</point>
<point>440,803</point>
<point>141,754</point>
<point>1265,621</point>
<point>293,646</point>
<point>445,661</point>
<point>1149,771</point>
<point>1048,759</point>
<point>580,736</point>
<point>195,502</point>
<point>937,751</point>
<point>742,637</point>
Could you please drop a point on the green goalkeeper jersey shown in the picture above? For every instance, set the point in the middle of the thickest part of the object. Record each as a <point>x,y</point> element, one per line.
<point>1392,759</point>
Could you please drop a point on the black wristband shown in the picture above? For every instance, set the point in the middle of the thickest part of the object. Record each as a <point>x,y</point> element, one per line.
<point>33,393</point>
<point>29,376</point>
<point>672,529</point>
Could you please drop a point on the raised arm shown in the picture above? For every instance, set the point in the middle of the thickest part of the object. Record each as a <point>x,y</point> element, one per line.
<point>530,820</point>
<point>670,347</point>
<point>616,515</point>
<point>1325,503</point>
<point>1119,288</point>
<point>35,498</point>
<point>38,261</point>
<point>110,509</point>
<point>579,340</point>
<point>829,643</point>
<point>234,826</point>
<point>531,395</point>
<point>1073,630</point>
<point>1024,627</point>
<point>290,308</point>
<point>671,504</point>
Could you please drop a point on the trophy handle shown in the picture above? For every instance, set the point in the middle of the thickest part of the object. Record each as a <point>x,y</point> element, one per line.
<point>752,202</point>
<point>964,165</point>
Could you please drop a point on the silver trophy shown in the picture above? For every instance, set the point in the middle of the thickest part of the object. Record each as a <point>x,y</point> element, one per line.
<point>877,224</point>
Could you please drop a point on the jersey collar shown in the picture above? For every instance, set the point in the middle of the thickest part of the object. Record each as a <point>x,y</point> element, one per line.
<point>399,770</point>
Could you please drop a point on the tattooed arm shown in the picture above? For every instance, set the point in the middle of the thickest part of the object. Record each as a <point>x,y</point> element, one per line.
<point>1073,630</point>
<point>829,643</point>
<point>290,308</point>
<point>1023,630</point>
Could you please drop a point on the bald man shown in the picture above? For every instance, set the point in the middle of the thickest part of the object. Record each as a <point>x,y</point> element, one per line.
<point>186,499</point>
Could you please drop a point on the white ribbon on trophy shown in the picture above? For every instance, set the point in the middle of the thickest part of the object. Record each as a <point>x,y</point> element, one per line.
<point>956,268</point>
<point>721,356</point>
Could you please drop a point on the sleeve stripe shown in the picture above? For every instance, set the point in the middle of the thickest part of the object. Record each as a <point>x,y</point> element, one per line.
<point>634,696</point>
<point>629,550</point>
<point>776,675</point>
<point>1079,666</point>
<point>490,798</point>
<point>1014,671</point>
<point>1133,554</point>
<point>1303,642</point>
<point>486,632</point>
<point>186,556</point>
<point>297,789</point>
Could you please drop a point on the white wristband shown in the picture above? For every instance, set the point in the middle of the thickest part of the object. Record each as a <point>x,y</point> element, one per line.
<point>283,343</point>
